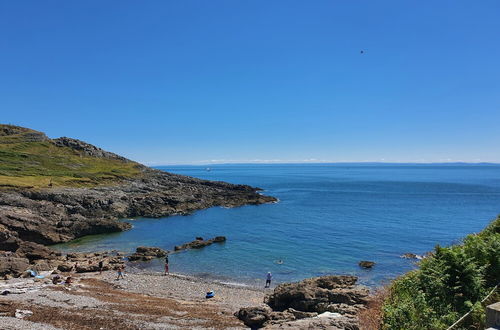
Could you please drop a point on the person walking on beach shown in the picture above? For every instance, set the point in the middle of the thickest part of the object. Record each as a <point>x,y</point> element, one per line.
<point>101,266</point>
<point>120,272</point>
<point>166,264</point>
<point>269,277</point>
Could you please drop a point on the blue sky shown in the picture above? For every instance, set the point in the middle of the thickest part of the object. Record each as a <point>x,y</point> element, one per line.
<point>187,81</point>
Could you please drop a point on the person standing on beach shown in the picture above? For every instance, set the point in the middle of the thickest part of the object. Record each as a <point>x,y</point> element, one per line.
<point>120,272</point>
<point>269,277</point>
<point>101,266</point>
<point>166,264</point>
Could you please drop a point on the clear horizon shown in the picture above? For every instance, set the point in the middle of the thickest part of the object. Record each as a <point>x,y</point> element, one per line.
<point>257,162</point>
<point>197,82</point>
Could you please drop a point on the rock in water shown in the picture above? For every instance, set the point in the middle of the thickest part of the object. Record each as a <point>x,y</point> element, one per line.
<point>411,256</point>
<point>199,243</point>
<point>366,264</point>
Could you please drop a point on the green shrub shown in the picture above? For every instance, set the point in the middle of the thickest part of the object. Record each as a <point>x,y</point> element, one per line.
<point>447,284</point>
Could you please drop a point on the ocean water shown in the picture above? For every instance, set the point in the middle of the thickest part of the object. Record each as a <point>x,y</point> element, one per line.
<point>329,217</point>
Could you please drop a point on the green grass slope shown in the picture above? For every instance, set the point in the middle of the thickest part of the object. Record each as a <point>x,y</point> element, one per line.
<point>29,159</point>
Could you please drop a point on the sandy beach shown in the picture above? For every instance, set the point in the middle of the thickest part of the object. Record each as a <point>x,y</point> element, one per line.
<point>140,301</point>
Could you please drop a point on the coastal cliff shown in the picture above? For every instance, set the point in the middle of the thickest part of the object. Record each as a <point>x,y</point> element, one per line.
<point>56,190</point>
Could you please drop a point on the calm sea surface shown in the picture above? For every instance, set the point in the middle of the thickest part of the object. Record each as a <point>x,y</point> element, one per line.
<point>328,219</point>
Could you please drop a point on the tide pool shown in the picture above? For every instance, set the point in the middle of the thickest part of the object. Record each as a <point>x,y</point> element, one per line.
<point>329,217</point>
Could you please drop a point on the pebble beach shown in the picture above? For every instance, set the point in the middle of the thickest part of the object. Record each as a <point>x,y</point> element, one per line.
<point>139,301</point>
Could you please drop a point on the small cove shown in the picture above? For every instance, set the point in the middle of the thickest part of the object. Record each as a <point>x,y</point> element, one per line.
<point>330,216</point>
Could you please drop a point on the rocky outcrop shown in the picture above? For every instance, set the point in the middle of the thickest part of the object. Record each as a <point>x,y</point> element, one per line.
<point>31,256</point>
<point>199,243</point>
<point>49,216</point>
<point>321,301</point>
<point>144,253</point>
<point>59,214</point>
<point>89,262</point>
<point>28,135</point>
<point>86,148</point>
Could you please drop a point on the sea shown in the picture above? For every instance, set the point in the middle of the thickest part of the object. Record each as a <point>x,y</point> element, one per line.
<point>329,218</point>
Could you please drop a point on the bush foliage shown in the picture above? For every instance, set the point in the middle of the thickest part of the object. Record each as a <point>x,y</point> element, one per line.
<point>448,283</point>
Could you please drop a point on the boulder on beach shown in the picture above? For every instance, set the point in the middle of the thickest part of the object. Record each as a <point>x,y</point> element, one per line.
<point>318,294</point>
<point>297,305</point>
<point>13,266</point>
<point>254,317</point>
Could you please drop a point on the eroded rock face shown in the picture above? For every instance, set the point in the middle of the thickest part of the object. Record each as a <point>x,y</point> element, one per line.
<point>328,301</point>
<point>144,253</point>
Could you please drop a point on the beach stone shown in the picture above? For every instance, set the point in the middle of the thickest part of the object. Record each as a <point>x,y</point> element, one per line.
<point>65,267</point>
<point>366,264</point>
<point>254,317</point>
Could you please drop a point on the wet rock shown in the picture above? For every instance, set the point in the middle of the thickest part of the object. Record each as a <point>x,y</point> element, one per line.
<point>366,264</point>
<point>198,244</point>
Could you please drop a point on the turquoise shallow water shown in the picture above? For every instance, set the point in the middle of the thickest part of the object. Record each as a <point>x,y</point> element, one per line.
<point>328,219</point>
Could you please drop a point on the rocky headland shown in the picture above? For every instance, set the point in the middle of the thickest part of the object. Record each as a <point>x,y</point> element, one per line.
<point>56,190</point>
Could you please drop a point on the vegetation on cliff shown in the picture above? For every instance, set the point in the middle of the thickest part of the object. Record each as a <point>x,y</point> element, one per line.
<point>28,158</point>
<point>447,284</point>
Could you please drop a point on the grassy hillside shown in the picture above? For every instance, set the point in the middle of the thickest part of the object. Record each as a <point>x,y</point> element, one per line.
<point>447,284</point>
<point>29,159</point>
